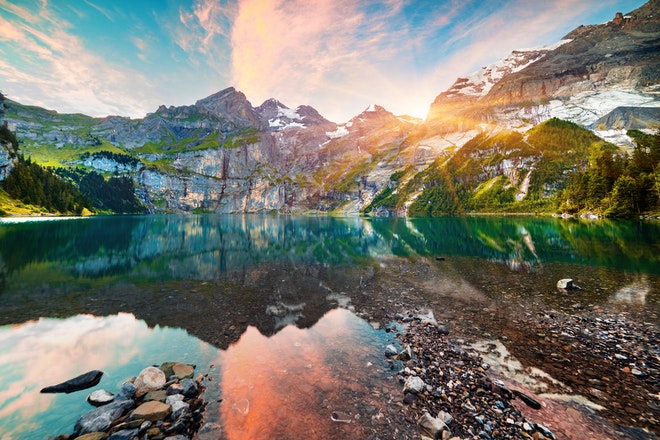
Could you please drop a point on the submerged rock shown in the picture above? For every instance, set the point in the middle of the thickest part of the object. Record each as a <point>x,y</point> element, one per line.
<point>78,383</point>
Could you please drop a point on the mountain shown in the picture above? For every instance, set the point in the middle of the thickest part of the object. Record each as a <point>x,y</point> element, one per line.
<point>589,73</point>
<point>511,136</point>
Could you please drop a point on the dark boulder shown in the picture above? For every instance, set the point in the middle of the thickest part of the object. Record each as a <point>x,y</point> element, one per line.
<point>78,383</point>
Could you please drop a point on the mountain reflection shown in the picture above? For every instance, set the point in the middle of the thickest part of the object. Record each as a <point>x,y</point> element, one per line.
<point>204,247</point>
<point>270,271</point>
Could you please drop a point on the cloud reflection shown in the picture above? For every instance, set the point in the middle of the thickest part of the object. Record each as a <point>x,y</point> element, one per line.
<point>288,385</point>
<point>39,353</point>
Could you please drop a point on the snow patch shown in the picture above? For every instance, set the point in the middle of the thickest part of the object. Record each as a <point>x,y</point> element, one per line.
<point>479,83</point>
<point>288,113</point>
<point>587,107</point>
<point>341,131</point>
<point>283,124</point>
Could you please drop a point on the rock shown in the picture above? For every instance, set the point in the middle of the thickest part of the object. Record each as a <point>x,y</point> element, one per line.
<point>183,371</point>
<point>545,431</point>
<point>338,416</point>
<point>431,425</point>
<point>567,284</point>
<point>125,434</point>
<point>168,368</point>
<point>174,388</point>
<point>428,318</point>
<point>179,408</point>
<point>391,350</point>
<point>174,398</point>
<point>409,398</point>
<point>100,397</point>
<point>149,379</point>
<point>101,418</point>
<point>414,385</point>
<point>445,417</point>
<point>190,388</point>
<point>210,431</point>
<point>405,354</point>
<point>159,395</point>
<point>78,383</point>
<point>152,411</point>
<point>93,436</point>
<point>527,400</point>
<point>126,392</point>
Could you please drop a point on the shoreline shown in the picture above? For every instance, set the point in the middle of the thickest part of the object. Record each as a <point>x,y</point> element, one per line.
<point>594,372</point>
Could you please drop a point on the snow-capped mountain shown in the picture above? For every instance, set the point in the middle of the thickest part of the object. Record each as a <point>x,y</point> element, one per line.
<point>277,116</point>
<point>478,84</point>
<point>589,73</point>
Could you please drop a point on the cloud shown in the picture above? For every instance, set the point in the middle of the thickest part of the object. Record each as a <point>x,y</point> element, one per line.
<point>56,66</point>
<point>333,52</point>
<point>103,11</point>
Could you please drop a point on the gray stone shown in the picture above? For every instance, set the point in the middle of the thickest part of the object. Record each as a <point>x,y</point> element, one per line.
<point>100,397</point>
<point>174,398</point>
<point>126,392</point>
<point>78,383</point>
<point>391,350</point>
<point>190,388</point>
<point>431,425</point>
<point>101,418</point>
<point>175,388</point>
<point>445,417</point>
<point>414,385</point>
<point>179,408</point>
<point>125,434</point>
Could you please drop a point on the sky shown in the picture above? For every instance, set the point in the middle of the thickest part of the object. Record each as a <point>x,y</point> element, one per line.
<point>127,57</point>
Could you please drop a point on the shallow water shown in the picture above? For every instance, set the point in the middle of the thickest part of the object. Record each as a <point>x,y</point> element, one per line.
<point>257,298</point>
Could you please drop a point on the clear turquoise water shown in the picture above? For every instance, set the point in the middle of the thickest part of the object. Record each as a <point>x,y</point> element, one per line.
<point>121,293</point>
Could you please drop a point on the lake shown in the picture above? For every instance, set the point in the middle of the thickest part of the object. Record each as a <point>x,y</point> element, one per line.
<point>273,307</point>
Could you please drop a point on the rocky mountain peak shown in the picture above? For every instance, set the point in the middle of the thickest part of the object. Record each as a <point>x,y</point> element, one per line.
<point>277,116</point>
<point>230,105</point>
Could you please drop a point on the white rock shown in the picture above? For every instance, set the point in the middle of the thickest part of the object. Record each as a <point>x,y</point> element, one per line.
<point>149,379</point>
<point>414,384</point>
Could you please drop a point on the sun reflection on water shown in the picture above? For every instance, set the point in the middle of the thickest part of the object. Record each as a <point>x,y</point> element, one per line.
<point>290,384</point>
